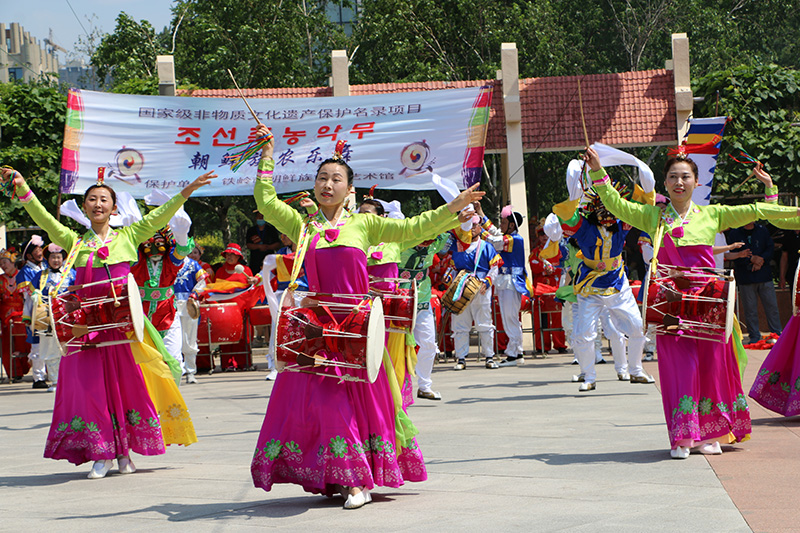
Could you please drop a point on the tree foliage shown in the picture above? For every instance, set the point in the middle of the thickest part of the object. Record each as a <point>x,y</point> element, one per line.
<point>287,44</point>
<point>32,121</point>
<point>763,102</point>
<point>128,56</point>
<point>263,42</point>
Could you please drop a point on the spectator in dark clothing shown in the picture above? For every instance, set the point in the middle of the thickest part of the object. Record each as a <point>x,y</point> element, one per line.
<point>790,245</point>
<point>754,277</point>
<point>262,239</point>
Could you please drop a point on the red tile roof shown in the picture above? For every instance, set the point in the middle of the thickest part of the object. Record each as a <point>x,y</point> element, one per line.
<point>627,109</point>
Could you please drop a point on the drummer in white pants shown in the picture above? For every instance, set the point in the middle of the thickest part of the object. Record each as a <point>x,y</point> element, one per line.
<point>191,278</point>
<point>481,260</point>
<point>512,280</point>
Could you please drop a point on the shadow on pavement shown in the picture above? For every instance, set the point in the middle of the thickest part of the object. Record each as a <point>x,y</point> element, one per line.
<point>559,459</point>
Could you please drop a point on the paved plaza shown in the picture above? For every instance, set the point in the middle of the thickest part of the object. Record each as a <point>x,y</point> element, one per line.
<point>513,449</point>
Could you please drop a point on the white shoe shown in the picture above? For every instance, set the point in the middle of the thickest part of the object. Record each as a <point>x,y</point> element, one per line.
<point>100,469</point>
<point>354,501</point>
<point>508,362</point>
<point>126,465</point>
<point>51,388</point>
<point>646,378</point>
<point>679,452</point>
<point>709,448</point>
<point>190,378</point>
<point>272,376</point>
<point>623,376</point>
<point>580,378</point>
<point>586,387</point>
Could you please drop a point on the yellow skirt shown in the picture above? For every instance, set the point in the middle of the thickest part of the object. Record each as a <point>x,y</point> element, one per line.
<point>176,424</point>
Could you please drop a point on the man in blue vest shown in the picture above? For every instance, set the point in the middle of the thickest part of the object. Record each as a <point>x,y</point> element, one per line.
<point>511,283</point>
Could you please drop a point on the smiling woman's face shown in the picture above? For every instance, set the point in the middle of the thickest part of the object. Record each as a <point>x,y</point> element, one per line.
<point>680,181</point>
<point>331,187</point>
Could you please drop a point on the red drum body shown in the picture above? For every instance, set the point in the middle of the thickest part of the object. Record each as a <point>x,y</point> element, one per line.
<point>72,318</point>
<point>692,302</point>
<point>220,323</point>
<point>399,305</point>
<point>260,316</point>
<point>309,338</point>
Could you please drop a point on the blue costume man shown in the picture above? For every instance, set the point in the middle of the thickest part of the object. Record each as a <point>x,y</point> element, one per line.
<point>601,284</point>
<point>512,280</point>
<point>480,259</point>
<point>191,278</point>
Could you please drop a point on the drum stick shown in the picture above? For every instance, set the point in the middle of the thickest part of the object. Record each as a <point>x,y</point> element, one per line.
<point>752,173</point>
<point>583,120</point>
<point>241,94</point>
<point>73,288</point>
<point>113,290</point>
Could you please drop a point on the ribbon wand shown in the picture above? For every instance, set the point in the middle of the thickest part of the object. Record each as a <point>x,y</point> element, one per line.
<point>585,137</point>
<point>246,149</point>
<point>241,94</point>
<point>748,159</point>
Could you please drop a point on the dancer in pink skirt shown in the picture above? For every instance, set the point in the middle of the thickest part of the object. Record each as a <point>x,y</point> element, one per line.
<point>102,407</point>
<point>329,436</point>
<point>701,387</point>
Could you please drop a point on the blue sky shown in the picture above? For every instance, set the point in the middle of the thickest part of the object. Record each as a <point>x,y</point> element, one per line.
<point>38,16</point>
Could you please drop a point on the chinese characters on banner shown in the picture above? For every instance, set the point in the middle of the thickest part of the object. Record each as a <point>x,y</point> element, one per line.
<point>156,142</point>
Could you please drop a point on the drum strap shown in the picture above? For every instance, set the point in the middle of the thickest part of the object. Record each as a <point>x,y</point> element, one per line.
<point>300,255</point>
<point>71,257</point>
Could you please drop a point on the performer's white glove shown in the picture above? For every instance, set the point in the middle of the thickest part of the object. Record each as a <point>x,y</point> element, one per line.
<point>611,157</point>
<point>180,223</point>
<point>574,187</point>
<point>552,228</point>
<point>470,209</point>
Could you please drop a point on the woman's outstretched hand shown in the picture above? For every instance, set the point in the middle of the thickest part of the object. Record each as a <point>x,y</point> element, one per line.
<point>201,181</point>
<point>466,197</point>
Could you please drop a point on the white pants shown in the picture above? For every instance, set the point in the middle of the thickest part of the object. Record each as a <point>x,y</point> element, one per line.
<point>510,301</point>
<point>37,363</point>
<point>617,340</point>
<point>173,339</point>
<point>425,335</point>
<point>50,354</point>
<point>479,311</point>
<point>624,313</point>
<point>188,338</point>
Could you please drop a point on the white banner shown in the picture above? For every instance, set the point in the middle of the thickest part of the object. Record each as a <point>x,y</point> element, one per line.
<point>396,140</point>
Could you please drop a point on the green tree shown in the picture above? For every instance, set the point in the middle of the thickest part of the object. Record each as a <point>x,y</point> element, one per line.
<point>263,42</point>
<point>763,102</point>
<point>128,56</point>
<point>32,122</point>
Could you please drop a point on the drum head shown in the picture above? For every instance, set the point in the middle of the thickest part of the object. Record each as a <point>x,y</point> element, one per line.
<point>414,308</point>
<point>135,303</point>
<point>376,339</point>
<point>795,308</point>
<point>646,288</point>
<point>729,312</point>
